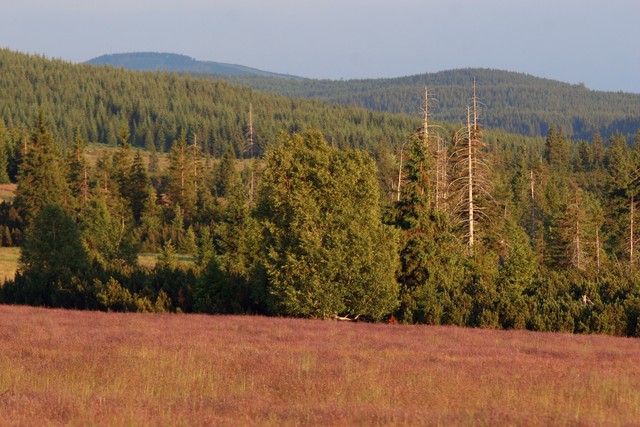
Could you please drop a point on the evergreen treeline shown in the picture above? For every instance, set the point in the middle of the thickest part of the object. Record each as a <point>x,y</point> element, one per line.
<point>515,102</point>
<point>486,232</point>
<point>156,107</point>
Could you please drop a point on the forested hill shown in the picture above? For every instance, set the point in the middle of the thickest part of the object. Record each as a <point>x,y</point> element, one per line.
<point>156,107</point>
<point>156,61</point>
<point>514,102</point>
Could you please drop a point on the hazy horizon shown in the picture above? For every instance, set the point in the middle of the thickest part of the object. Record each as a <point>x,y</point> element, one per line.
<point>572,41</point>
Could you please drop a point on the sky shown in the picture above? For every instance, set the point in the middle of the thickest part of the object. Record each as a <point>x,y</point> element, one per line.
<point>593,42</point>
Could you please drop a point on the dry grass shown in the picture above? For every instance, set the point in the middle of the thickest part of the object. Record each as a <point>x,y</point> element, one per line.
<point>8,263</point>
<point>7,192</point>
<point>65,367</point>
<point>149,260</point>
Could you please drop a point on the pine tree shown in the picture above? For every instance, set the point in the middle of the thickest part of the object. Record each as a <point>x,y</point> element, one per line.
<point>41,180</point>
<point>52,256</point>
<point>121,165</point>
<point>108,234</point>
<point>4,153</point>
<point>139,187</point>
<point>597,148</point>
<point>431,265</point>
<point>181,186</point>
<point>78,171</point>
<point>226,174</point>
<point>557,150</point>
<point>104,167</point>
<point>176,230</point>
<point>619,193</point>
<point>150,230</point>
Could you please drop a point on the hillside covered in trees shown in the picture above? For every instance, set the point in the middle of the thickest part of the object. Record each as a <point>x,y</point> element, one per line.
<point>156,107</point>
<point>514,102</point>
<point>453,225</point>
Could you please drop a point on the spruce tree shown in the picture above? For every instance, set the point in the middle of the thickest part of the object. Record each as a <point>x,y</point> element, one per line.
<point>42,179</point>
<point>621,196</point>
<point>107,233</point>
<point>226,174</point>
<point>181,186</point>
<point>431,257</point>
<point>78,171</point>
<point>557,150</point>
<point>121,165</point>
<point>4,153</point>
<point>139,187</point>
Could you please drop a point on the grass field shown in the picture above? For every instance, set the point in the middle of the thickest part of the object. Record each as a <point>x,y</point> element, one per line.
<point>149,260</point>
<point>84,368</point>
<point>8,263</point>
<point>7,192</point>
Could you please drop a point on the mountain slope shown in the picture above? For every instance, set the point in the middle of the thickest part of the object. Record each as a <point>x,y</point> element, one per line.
<point>155,61</point>
<point>156,107</point>
<point>514,102</point>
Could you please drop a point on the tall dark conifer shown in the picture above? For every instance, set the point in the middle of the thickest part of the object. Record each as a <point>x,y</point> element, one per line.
<point>181,186</point>
<point>557,150</point>
<point>139,187</point>
<point>41,180</point>
<point>78,171</point>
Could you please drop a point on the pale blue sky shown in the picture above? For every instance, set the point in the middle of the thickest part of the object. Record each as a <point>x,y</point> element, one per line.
<point>595,42</point>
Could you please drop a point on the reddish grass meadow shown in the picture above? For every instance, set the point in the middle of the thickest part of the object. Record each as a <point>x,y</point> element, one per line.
<point>84,368</point>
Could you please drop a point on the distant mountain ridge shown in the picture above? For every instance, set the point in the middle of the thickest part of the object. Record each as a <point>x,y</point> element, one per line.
<point>512,101</point>
<point>159,61</point>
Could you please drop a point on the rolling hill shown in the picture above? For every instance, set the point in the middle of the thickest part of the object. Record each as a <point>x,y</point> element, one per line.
<point>155,61</point>
<point>514,102</point>
<point>156,107</point>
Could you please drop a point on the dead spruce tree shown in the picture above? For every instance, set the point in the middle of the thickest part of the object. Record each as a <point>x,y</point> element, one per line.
<point>469,187</point>
<point>434,167</point>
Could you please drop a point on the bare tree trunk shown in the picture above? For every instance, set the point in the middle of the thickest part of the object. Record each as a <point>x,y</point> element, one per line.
<point>578,252</point>
<point>598,250</point>
<point>85,186</point>
<point>195,162</point>
<point>425,123</point>
<point>251,187</point>
<point>182,168</point>
<point>441,173</point>
<point>470,206</point>
<point>427,143</point>
<point>532,225</point>
<point>631,242</point>
<point>400,172</point>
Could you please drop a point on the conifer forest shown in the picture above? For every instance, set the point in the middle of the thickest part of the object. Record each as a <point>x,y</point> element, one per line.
<point>305,207</point>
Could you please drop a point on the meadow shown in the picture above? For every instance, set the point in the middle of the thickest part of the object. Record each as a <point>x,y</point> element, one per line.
<point>81,368</point>
<point>8,262</point>
<point>10,256</point>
